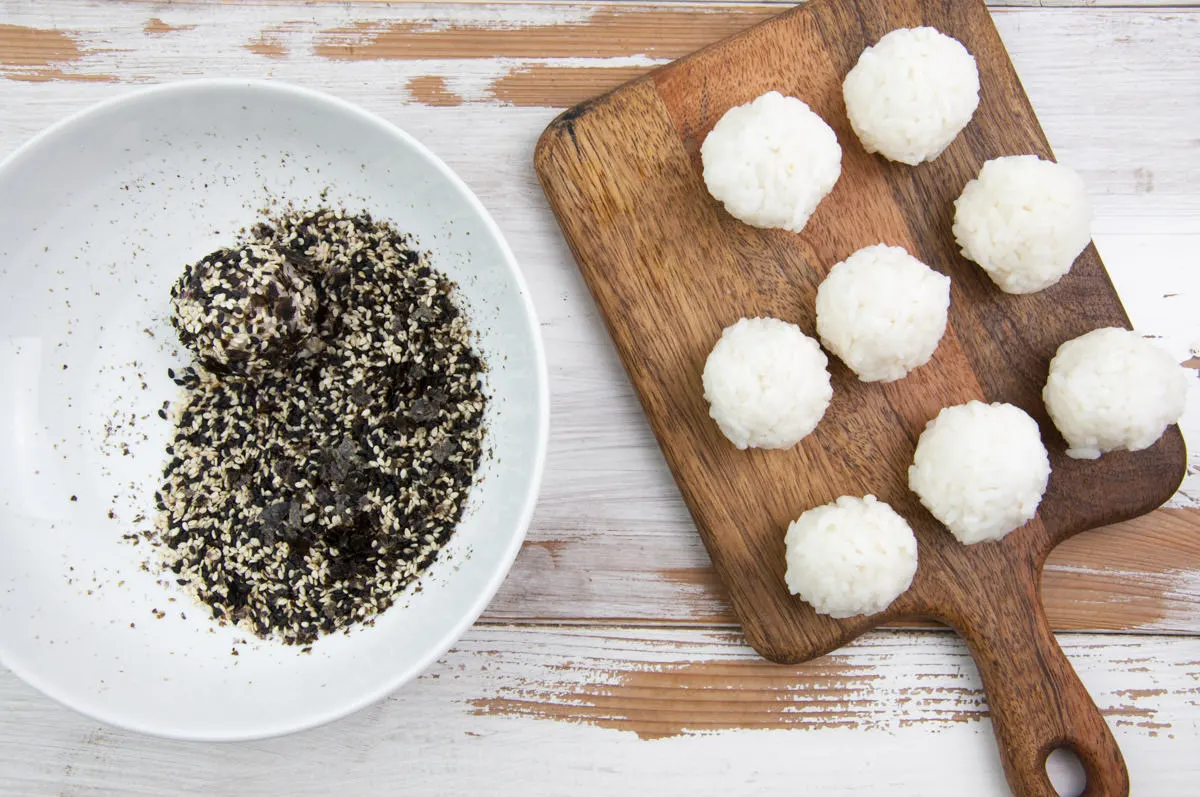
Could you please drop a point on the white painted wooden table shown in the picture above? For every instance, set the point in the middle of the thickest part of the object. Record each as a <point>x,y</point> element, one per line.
<point>609,663</point>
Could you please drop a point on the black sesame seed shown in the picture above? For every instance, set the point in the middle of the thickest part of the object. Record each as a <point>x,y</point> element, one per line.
<point>314,476</point>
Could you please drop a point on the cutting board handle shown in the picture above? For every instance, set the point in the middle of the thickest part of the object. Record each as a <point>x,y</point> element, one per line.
<point>1038,704</point>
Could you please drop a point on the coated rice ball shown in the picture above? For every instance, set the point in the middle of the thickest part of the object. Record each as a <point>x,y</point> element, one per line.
<point>1112,390</point>
<point>980,469</point>
<point>771,161</point>
<point>911,94</point>
<point>766,383</point>
<point>882,312</point>
<point>1024,220</point>
<point>854,556</point>
<point>243,310</point>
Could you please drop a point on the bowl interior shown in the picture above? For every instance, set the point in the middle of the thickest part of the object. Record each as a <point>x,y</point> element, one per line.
<point>97,218</point>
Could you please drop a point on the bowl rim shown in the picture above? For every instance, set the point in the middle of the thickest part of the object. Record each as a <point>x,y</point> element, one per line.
<point>47,138</point>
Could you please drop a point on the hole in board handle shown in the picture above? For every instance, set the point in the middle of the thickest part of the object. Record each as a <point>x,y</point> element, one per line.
<point>1066,772</point>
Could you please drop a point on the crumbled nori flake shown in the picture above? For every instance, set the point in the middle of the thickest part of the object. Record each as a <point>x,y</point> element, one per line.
<point>303,495</point>
<point>243,310</point>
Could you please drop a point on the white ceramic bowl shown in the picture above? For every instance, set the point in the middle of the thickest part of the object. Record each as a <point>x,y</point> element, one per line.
<point>98,215</point>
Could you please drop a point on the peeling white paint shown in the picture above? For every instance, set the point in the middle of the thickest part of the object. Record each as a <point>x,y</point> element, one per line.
<point>430,739</point>
<point>1183,589</point>
<point>1133,149</point>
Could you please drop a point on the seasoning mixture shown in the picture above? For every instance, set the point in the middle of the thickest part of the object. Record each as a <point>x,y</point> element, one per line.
<point>329,431</point>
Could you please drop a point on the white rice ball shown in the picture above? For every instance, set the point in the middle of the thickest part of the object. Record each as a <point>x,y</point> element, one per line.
<point>1025,220</point>
<point>882,312</point>
<point>766,383</point>
<point>980,469</point>
<point>911,94</point>
<point>1112,390</point>
<point>771,161</point>
<point>854,556</point>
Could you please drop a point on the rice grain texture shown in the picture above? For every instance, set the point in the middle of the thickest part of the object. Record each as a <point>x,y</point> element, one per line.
<point>1112,390</point>
<point>766,383</point>
<point>911,94</point>
<point>1024,220</point>
<point>854,556</point>
<point>980,469</point>
<point>882,312</point>
<point>771,161</point>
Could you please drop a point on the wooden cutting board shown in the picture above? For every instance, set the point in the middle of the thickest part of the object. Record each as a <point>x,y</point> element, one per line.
<point>670,268</point>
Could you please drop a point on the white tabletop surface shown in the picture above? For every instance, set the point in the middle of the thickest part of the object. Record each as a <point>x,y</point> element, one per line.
<point>609,663</point>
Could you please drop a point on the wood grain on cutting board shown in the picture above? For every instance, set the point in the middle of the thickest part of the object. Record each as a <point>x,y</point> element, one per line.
<point>669,269</point>
<point>602,635</point>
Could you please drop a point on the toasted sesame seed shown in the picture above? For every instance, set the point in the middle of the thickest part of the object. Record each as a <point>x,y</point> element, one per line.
<point>315,442</point>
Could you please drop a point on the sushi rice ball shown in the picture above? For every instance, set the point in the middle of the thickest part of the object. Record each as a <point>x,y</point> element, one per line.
<point>882,312</point>
<point>980,469</point>
<point>911,94</point>
<point>854,556</point>
<point>1112,390</point>
<point>1024,220</point>
<point>766,383</point>
<point>771,161</point>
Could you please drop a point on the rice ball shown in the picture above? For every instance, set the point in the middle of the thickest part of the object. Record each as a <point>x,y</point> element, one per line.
<point>854,556</point>
<point>882,312</point>
<point>980,469</point>
<point>243,310</point>
<point>766,383</point>
<point>1112,390</point>
<point>911,94</point>
<point>771,161</point>
<point>1025,220</point>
